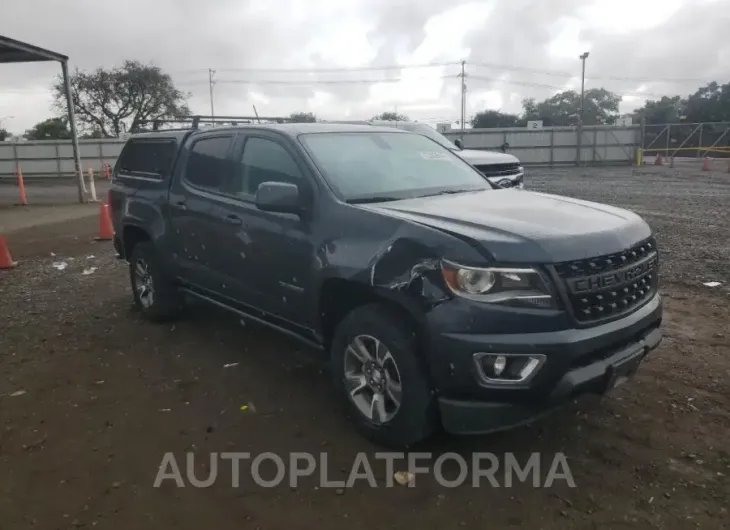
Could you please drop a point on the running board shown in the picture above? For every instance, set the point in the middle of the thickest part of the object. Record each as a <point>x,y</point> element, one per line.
<point>252,318</point>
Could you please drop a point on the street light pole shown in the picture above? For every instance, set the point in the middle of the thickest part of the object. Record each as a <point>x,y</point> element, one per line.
<point>211,82</point>
<point>583,58</point>
<point>5,118</point>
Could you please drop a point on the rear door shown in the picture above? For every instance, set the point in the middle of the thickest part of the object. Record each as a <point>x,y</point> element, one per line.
<point>195,217</point>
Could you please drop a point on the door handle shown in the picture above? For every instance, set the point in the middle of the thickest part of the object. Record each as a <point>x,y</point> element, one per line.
<point>181,205</point>
<point>233,219</point>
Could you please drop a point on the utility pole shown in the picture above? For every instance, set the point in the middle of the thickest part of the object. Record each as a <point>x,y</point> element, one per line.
<point>583,58</point>
<point>211,72</point>
<point>463,97</point>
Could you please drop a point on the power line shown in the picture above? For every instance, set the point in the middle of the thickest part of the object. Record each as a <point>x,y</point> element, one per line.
<point>558,73</point>
<point>327,70</point>
<point>557,87</point>
<point>307,82</point>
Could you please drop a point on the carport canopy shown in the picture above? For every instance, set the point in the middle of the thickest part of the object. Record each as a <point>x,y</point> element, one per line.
<point>14,51</point>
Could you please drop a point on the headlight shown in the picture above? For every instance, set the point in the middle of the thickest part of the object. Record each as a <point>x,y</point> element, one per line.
<point>517,286</point>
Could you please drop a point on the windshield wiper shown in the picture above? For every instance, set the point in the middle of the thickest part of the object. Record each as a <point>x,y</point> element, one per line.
<point>450,192</point>
<point>366,200</point>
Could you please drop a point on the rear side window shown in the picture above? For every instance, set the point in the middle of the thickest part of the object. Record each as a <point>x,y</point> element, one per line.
<point>147,158</point>
<point>208,164</point>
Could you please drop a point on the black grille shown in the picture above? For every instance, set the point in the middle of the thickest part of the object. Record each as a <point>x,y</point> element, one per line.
<point>499,170</point>
<point>610,285</point>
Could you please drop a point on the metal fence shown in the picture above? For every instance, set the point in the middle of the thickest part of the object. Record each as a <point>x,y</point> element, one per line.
<point>687,139</point>
<point>555,146</point>
<point>550,146</point>
<point>54,158</point>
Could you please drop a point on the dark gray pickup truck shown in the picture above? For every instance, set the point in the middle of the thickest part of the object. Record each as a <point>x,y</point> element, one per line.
<point>438,299</point>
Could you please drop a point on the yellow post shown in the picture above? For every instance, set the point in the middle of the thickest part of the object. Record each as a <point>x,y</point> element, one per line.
<point>639,156</point>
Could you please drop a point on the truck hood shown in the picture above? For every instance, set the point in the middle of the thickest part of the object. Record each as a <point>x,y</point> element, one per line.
<point>512,226</point>
<point>477,156</point>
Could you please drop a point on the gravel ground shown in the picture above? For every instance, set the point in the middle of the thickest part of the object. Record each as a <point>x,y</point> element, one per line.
<point>92,397</point>
<point>688,209</point>
<point>45,191</point>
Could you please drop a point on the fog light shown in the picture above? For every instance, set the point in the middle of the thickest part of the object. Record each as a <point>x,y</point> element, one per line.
<point>500,363</point>
<point>506,368</point>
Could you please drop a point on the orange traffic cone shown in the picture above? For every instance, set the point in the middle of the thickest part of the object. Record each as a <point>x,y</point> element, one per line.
<point>21,188</point>
<point>106,230</point>
<point>706,164</point>
<point>6,262</point>
<point>659,160</point>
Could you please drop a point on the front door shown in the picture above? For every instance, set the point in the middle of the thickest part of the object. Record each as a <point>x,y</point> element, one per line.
<point>270,255</point>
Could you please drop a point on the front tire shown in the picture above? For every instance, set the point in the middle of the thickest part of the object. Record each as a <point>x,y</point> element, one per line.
<point>155,293</point>
<point>376,365</point>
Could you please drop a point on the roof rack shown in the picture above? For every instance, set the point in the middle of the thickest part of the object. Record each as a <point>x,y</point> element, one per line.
<point>196,120</point>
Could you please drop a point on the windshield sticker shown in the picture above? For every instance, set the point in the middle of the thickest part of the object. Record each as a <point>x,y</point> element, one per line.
<point>432,155</point>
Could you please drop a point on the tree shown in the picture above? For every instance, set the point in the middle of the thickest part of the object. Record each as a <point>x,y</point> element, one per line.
<point>302,117</point>
<point>390,116</point>
<point>487,119</point>
<point>50,129</point>
<point>709,103</point>
<point>600,107</point>
<point>666,110</point>
<point>4,134</point>
<point>119,99</point>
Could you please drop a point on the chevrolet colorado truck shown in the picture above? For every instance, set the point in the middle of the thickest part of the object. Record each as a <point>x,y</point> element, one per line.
<point>439,300</point>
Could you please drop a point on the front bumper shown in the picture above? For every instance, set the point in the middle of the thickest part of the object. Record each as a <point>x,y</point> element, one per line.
<point>589,360</point>
<point>509,181</point>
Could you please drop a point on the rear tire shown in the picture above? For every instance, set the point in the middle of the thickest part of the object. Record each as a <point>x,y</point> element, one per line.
<point>405,412</point>
<point>155,293</point>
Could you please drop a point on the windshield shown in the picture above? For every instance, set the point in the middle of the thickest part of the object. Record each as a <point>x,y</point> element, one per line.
<point>389,166</point>
<point>425,130</point>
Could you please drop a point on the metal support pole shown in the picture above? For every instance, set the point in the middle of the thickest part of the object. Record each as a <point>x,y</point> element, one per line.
<point>642,140</point>
<point>697,155</point>
<point>669,135</point>
<point>463,99</point>
<point>552,146</point>
<point>74,134</point>
<point>578,153</point>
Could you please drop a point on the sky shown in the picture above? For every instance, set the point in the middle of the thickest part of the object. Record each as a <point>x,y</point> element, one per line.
<point>352,59</point>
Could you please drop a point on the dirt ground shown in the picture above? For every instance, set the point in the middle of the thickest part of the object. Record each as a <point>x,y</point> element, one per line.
<point>106,395</point>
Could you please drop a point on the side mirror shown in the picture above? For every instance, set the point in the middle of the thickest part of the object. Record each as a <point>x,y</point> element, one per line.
<point>282,197</point>
<point>458,143</point>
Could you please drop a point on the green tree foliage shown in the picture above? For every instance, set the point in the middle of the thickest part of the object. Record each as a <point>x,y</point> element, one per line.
<point>493,118</point>
<point>302,117</point>
<point>112,101</point>
<point>50,129</point>
<point>710,103</point>
<point>390,116</point>
<point>4,134</point>
<point>600,107</point>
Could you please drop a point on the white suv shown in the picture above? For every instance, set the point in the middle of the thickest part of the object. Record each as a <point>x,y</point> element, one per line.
<point>501,169</point>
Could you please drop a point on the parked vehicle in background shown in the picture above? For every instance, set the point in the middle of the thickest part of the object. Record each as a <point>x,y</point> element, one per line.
<point>438,299</point>
<point>502,169</point>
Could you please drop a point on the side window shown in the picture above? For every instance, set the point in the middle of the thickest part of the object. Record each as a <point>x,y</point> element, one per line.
<point>208,165</point>
<point>264,161</point>
<point>147,158</point>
